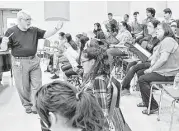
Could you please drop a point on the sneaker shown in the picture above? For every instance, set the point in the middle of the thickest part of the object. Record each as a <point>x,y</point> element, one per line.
<point>125,92</point>
<point>28,110</point>
<point>55,77</point>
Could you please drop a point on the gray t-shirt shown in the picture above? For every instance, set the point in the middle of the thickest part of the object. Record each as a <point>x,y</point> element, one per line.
<point>24,43</point>
<point>171,66</point>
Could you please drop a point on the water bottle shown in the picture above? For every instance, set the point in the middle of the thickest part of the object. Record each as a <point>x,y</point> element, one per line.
<point>176,82</point>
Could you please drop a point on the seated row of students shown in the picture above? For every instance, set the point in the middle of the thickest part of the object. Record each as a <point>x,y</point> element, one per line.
<point>135,66</point>
<point>163,65</point>
<point>62,106</point>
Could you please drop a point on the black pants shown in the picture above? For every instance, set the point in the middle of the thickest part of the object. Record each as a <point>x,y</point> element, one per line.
<point>144,84</point>
<point>68,70</point>
<point>131,72</point>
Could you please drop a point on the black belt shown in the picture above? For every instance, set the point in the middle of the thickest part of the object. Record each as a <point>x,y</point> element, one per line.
<point>28,57</point>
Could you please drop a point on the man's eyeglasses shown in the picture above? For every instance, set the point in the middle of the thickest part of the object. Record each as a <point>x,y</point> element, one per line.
<point>28,19</point>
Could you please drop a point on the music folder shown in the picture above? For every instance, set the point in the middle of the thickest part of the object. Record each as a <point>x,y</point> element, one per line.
<point>137,49</point>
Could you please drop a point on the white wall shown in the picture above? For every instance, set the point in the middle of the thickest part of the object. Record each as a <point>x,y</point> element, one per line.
<point>83,15</point>
<point>141,6</point>
<point>173,5</point>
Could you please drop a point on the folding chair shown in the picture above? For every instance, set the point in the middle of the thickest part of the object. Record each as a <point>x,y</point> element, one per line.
<point>158,85</point>
<point>115,113</point>
<point>174,93</point>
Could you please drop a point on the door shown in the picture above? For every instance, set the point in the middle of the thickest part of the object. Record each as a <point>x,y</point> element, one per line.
<point>7,20</point>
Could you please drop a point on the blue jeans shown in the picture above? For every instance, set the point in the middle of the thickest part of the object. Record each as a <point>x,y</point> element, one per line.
<point>28,79</point>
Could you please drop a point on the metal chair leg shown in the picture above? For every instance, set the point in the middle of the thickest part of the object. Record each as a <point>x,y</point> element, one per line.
<point>122,69</point>
<point>160,104</point>
<point>150,99</point>
<point>173,107</point>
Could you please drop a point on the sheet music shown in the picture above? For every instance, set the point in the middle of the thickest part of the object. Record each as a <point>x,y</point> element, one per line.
<point>145,52</point>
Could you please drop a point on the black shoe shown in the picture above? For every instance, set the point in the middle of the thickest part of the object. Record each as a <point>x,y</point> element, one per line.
<point>153,111</point>
<point>28,110</point>
<point>55,77</point>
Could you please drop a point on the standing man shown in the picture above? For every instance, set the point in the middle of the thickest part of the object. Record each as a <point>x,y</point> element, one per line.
<point>23,40</point>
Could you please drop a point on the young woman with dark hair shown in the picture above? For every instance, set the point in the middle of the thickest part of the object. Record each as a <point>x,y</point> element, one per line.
<point>164,65</point>
<point>99,34</point>
<point>72,67</point>
<point>124,36</point>
<point>71,42</point>
<point>62,107</point>
<point>96,74</point>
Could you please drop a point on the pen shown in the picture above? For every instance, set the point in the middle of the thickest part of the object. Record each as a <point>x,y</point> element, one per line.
<point>10,34</point>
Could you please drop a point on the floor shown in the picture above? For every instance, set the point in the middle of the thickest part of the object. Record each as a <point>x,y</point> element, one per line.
<point>14,118</point>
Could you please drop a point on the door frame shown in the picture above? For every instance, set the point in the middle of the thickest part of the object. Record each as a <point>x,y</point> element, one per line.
<point>13,10</point>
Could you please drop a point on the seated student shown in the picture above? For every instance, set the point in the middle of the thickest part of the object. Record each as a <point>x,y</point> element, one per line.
<point>99,34</point>
<point>96,74</point>
<point>57,55</point>
<point>150,12</point>
<point>136,27</point>
<point>111,24</point>
<point>134,67</point>
<point>168,16</point>
<point>62,107</point>
<point>126,19</point>
<point>71,68</point>
<point>124,36</point>
<point>164,65</point>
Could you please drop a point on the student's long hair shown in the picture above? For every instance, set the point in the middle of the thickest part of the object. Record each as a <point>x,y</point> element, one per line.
<point>62,98</point>
<point>125,25</point>
<point>167,30</point>
<point>83,41</point>
<point>101,65</point>
<point>71,42</point>
<point>98,27</point>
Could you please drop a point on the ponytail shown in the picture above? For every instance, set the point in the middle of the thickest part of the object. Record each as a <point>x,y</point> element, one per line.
<point>80,108</point>
<point>88,115</point>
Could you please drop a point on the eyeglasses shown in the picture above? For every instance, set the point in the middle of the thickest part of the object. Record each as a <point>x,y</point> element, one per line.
<point>28,19</point>
<point>84,61</point>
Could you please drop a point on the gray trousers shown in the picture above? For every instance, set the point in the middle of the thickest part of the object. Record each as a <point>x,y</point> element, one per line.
<point>28,79</point>
<point>1,76</point>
